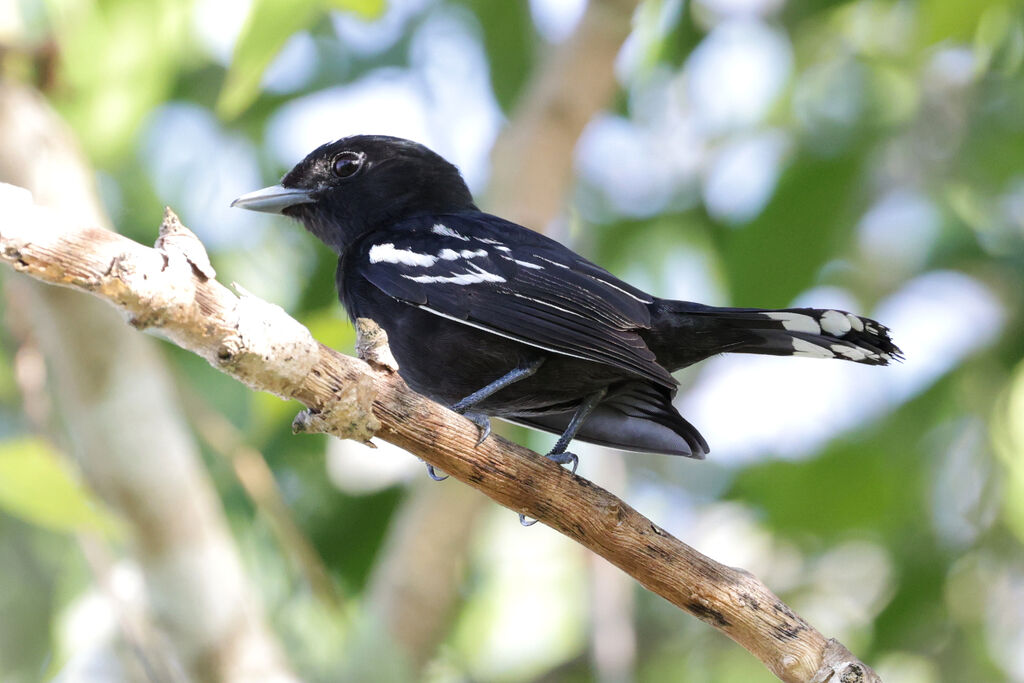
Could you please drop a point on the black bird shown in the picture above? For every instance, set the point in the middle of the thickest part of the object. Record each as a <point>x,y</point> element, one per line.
<point>493,319</point>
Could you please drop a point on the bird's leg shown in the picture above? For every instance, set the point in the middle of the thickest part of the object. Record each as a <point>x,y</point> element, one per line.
<point>482,421</point>
<point>558,454</point>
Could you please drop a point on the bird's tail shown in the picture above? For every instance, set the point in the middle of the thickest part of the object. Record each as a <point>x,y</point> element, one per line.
<point>684,333</point>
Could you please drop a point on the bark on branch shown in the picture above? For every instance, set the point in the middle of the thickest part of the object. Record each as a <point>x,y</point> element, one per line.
<point>170,290</point>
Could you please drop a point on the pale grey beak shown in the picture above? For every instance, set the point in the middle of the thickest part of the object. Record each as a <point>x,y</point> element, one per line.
<point>273,199</point>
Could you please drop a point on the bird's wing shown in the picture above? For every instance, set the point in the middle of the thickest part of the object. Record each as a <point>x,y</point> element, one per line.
<point>485,272</point>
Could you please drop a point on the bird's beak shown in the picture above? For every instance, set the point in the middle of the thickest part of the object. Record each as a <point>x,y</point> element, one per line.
<point>273,199</point>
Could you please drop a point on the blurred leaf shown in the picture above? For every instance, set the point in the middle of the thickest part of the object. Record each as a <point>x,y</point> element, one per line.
<point>510,43</point>
<point>795,12</point>
<point>347,531</point>
<point>780,253</point>
<point>917,612</point>
<point>118,61</point>
<point>661,44</point>
<point>9,392</point>
<point>269,26</point>
<point>999,40</point>
<point>680,40</point>
<point>1008,438</point>
<point>319,290</point>
<point>954,20</point>
<point>993,151</point>
<point>36,486</point>
<point>30,562</point>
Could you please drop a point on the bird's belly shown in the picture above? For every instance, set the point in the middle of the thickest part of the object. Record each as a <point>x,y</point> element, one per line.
<point>448,360</point>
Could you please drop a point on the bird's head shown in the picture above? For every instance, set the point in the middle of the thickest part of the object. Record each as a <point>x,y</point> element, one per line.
<point>362,183</point>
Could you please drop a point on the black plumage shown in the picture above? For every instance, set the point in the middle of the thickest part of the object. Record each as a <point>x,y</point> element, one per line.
<point>494,319</point>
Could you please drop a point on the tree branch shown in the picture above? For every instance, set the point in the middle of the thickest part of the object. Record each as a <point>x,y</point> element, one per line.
<point>167,291</point>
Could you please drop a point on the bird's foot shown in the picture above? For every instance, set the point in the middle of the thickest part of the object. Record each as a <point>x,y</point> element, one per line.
<point>482,422</point>
<point>562,458</point>
<point>433,474</point>
<point>565,458</point>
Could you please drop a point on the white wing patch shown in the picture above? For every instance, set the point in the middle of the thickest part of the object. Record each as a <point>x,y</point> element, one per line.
<point>524,264</point>
<point>527,264</point>
<point>442,229</point>
<point>451,254</point>
<point>389,253</point>
<point>406,257</point>
<point>471,277</point>
<point>554,263</point>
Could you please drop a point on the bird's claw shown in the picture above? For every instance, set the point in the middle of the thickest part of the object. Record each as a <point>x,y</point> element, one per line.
<point>482,422</point>
<point>432,474</point>
<point>565,458</point>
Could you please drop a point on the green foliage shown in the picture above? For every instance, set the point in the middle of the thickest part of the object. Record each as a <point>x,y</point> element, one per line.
<point>33,562</point>
<point>269,25</point>
<point>118,60</point>
<point>954,20</point>
<point>511,46</point>
<point>37,486</point>
<point>759,258</point>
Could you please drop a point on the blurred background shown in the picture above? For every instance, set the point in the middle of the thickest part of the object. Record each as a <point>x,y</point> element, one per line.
<point>159,521</point>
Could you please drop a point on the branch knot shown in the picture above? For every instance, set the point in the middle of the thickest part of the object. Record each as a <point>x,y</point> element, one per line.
<point>349,414</point>
<point>372,346</point>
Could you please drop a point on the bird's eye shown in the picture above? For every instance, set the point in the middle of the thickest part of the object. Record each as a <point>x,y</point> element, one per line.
<point>347,163</point>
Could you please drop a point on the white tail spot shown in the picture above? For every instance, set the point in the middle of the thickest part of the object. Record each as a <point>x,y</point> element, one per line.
<point>805,348</point>
<point>796,322</point>
<point>835,323</point>
<point>851,352</point>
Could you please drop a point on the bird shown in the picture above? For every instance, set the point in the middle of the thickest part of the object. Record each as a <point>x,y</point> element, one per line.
<point>493,319</point>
